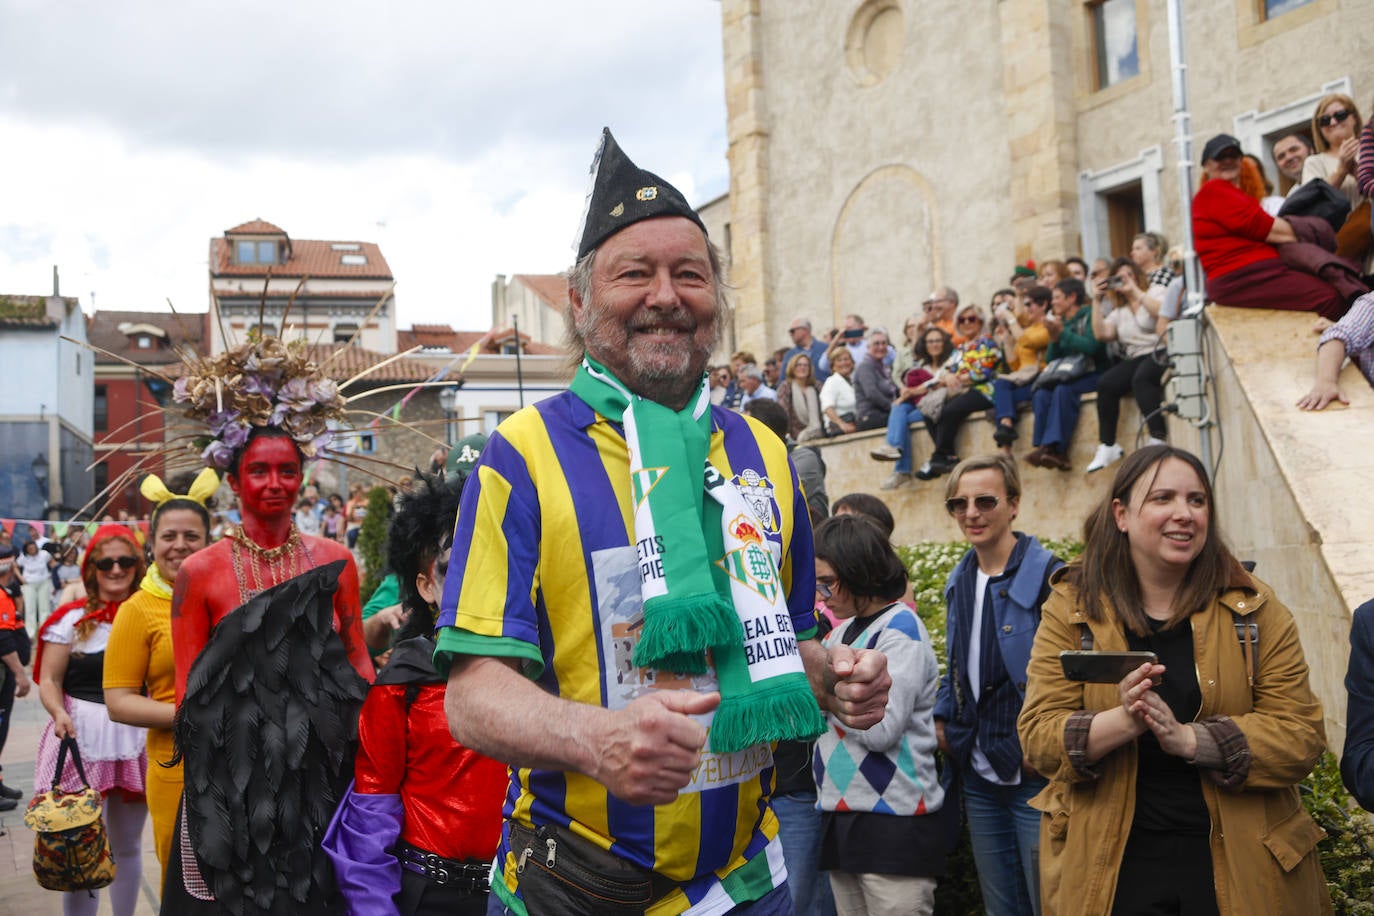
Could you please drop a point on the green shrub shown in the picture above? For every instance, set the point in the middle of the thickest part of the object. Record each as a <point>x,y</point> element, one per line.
<point>1346,851</point>
<point>372,541</point>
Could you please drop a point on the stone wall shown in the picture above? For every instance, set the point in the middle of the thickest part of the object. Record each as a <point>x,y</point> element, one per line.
<point>1053,503</point>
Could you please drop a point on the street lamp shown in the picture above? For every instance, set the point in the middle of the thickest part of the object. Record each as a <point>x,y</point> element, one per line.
<point>448,400</point>
<point>39,468</point>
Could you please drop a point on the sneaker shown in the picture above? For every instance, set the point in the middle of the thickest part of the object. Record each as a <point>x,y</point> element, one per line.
<point>1106,455</point>
<point>885,453</point>
<point>1153,441</point>
<point>896,481</point>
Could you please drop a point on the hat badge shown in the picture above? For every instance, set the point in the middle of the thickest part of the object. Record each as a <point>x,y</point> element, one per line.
<point>618,210</point>
<point>648,193</point>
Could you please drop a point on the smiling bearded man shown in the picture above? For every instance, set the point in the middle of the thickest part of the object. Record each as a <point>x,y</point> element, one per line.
<point>628,614</point>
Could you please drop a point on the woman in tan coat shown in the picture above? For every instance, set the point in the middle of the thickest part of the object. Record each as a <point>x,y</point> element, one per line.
<point>1174,790</point>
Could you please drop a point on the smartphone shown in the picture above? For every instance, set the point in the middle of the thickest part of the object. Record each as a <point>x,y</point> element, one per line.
<point>1102,667</point>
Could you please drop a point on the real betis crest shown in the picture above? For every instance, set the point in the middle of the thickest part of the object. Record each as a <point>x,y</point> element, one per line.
<point>750,563</point>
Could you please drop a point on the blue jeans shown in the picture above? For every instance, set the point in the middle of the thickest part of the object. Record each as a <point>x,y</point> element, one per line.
<point>1006,396</point>
<point>774,903</point>
<point>799,828</point>
<point>899,422</point>
<point>1005,834</point>
<point>1056,411</point>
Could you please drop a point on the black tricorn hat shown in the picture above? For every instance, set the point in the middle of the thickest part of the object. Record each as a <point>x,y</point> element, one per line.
<point>621,194</point>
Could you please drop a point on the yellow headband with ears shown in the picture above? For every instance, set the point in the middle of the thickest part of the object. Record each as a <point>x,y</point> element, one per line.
<point>202,488</point>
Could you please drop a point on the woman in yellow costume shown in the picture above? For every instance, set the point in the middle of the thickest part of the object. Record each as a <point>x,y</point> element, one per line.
<point>140,674</point>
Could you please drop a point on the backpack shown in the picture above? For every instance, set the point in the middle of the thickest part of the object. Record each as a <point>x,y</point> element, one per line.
<point>71,851</point>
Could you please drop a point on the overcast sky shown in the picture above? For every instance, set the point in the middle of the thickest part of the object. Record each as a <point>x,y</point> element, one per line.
<point>457,135</point>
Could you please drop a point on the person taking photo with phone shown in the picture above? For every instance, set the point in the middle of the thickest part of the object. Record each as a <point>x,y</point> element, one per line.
<point>1174,790</point>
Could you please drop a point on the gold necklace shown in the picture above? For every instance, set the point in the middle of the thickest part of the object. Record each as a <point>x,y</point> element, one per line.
<point>268,554</point>
<point>267,567</point>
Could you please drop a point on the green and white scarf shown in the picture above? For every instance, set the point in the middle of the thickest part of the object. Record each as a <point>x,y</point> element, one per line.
<point>708,578</point>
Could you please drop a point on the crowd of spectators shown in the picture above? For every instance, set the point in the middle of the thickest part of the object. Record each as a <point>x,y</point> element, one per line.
<point>1064,328</point>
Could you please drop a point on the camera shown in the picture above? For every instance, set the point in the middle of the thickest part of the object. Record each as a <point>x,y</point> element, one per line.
<point>1115,283</point>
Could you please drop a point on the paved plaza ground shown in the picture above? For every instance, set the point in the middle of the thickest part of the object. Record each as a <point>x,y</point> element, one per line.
<point>20,894</point>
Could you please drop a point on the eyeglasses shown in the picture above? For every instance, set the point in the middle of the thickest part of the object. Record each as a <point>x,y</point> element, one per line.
<point>825,586</point>
<point>969,319</point>
<point>958,505</point>
<point>105,564</point>
<point>1336,117</point>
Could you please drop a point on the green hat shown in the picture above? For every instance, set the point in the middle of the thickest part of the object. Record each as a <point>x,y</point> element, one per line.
<point>464,454</point>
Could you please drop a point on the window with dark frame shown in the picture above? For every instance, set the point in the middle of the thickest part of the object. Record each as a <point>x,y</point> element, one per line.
<point>1116,55</point>
<point>1270,9</point>
<point>102,410</point>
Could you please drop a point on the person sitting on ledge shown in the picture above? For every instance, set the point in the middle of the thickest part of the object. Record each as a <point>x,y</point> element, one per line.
<point>1236,243</point>
<point>1352,336</point>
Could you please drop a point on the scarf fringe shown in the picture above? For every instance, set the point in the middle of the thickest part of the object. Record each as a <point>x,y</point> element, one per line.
<point>678,631</point>
<point>783,711</point>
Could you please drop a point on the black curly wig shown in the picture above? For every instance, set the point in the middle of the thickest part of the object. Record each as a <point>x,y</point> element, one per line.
<point>421,529</point>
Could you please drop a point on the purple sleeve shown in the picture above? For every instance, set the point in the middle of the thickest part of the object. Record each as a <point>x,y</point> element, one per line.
<point>1365,172</point>
<point>364,828</point>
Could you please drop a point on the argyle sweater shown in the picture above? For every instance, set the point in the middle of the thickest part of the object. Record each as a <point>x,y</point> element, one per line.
<point>890,768</point>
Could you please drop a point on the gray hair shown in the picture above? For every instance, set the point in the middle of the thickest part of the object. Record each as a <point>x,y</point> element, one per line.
<point>579,278</point>
<point>751,371</point>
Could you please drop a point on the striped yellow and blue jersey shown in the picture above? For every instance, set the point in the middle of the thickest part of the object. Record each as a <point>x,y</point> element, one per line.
<point>545,569</point>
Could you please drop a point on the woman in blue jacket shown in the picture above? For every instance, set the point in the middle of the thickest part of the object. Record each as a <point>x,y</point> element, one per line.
<point>993,600</point>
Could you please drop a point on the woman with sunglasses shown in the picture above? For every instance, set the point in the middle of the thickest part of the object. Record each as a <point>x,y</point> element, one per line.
<point>993,600</point>
<point>1336,130</point>
<point>1174,789</point>
<point>140,673</point>
<point>883,837</point>
<point>1336,125</point>
<point>68,668</point>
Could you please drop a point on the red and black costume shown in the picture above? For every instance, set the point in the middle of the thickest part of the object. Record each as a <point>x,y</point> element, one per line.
<point>424,811</point>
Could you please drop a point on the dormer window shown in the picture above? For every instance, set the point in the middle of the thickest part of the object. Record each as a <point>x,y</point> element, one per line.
<point>256,252</point>
<point>144,342</point>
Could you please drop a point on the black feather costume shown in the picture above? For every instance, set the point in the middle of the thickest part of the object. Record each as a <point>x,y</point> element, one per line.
<point>267,731</point>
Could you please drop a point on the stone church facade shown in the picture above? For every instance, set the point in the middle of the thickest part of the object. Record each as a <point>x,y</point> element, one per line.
<point>879,148</point>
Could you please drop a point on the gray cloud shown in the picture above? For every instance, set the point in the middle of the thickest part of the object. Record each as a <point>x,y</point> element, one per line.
<point>343,80</point>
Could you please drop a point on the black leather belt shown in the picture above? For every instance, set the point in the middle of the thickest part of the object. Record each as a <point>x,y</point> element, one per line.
<point>474,877</point>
